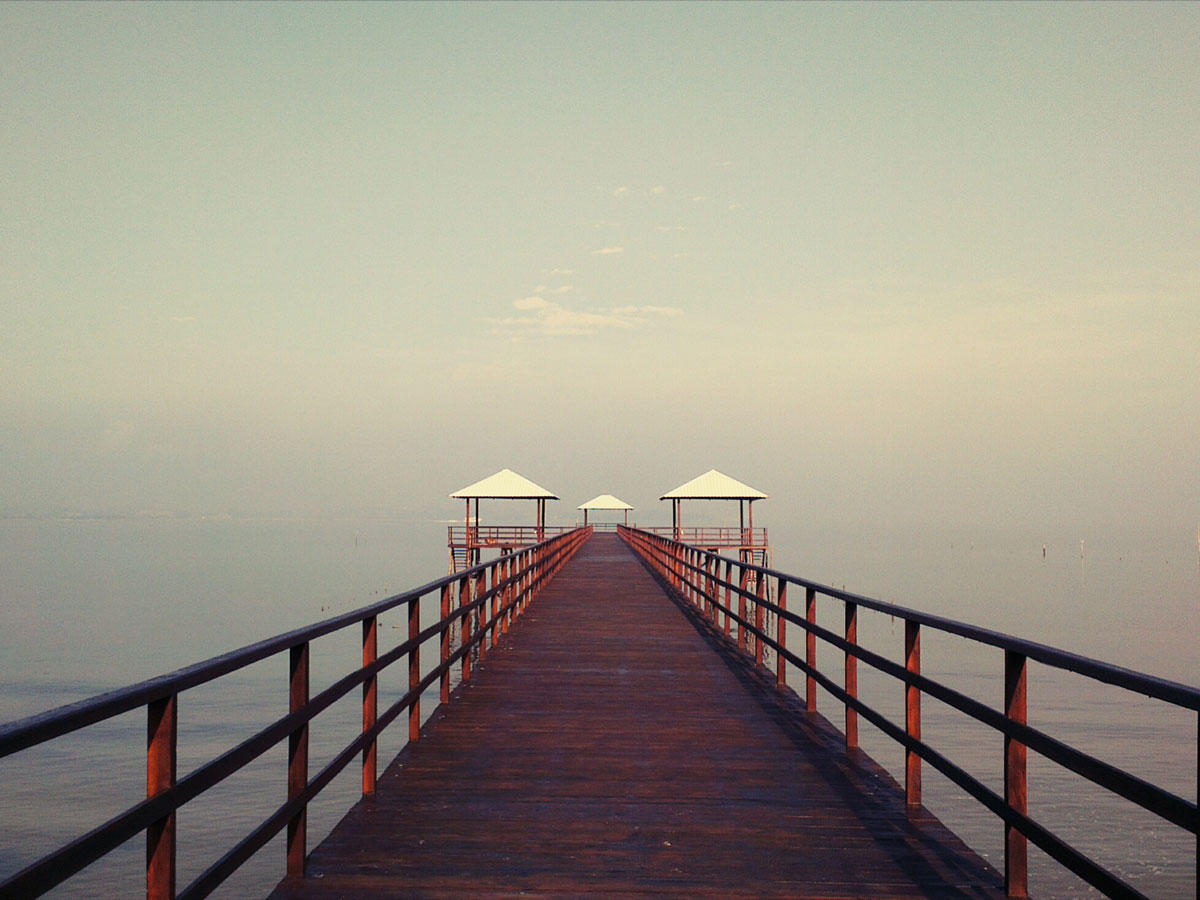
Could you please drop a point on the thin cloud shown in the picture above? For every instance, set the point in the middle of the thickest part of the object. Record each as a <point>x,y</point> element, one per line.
<point>565,289</point>
<point>669,312</point>
<point>669,228</point>
<point>701,198</point>
<point>545,317</point>
<point>608,251</point>
<point>531,303</point>
<point>658,189</point>
<point>623,189</point>
<point>183,318</point>
<point>550,273</point>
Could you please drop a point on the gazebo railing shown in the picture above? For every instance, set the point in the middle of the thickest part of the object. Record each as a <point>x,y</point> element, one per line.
<point>502,535</point>
<point>711,537</point>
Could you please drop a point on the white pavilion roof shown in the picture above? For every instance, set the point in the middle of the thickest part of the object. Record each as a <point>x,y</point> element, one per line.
<point>504,485</point>
<point>713,485</point>
<point>604,501</point>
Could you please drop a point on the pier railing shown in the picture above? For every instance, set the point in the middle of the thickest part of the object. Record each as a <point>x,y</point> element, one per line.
<point>479,604</point>
<point>736,596</point>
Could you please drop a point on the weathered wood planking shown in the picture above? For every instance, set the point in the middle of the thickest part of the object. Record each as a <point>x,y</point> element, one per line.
<point>605,748</point>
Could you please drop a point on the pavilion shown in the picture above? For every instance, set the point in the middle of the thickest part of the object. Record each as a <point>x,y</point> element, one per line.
<point>465,543</point>
<point>604,502</point>
<point>713,485</point>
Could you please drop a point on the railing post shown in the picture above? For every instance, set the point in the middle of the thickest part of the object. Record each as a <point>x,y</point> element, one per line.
<point>526,581</point>
<point>531,567</point>
<point>468,625</point>
<point>162,729</point>
<point>674,567</point>
<point>496,579</point>
<point>728,594</point>
<point>912,713</point>
<point>743,581</point>
<point>685,575</point>
<point>297,760</point>
<point>851,675</point>
<point>1016,850</point>
<point>445,643</point>
<point>760,595</point>
<point>414,668</point>
<point>781,634</point>
<point>810,650</point>
<point>370,697</point>
<point>481,612</point>
<point>708,588</point>
<point>506,574</point>
<point>714,592</point>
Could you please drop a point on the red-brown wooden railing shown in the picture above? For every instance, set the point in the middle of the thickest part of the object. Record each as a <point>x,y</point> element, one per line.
<point>481,603</point>
<point>709,582</point>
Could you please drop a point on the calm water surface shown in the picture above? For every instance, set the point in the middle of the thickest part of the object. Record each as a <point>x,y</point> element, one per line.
<point>90,605</point>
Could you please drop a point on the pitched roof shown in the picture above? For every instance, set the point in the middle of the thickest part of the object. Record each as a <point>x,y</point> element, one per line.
<point>504,485</point>
<point>604,501</point>
<point>712,485</point>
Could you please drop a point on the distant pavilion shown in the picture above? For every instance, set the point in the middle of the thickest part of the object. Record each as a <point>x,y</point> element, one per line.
<point>604,502</point>
<point>750,543</point>
<point>465,543</point>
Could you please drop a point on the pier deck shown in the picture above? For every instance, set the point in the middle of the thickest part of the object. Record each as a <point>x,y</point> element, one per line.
<point>612,745</point>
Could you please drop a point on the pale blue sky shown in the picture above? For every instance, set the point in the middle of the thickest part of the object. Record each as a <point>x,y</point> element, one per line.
<point>937,262</point>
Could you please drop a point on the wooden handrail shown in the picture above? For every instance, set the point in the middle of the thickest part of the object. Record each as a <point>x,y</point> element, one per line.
<point>694,575</point>
<point>480,610</point>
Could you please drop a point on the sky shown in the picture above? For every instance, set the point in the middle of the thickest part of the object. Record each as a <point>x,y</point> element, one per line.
<point>923,263</point>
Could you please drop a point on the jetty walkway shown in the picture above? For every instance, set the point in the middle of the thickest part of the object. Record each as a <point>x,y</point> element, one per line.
<point>614,743</point>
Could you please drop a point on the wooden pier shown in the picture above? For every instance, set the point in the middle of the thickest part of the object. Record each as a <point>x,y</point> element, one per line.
<point>613,744</point>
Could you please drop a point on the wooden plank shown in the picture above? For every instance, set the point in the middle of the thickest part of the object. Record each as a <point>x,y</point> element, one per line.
<point>603,747</point>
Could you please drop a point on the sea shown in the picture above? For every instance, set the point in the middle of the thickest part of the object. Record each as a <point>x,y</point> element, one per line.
<point>89,604</point>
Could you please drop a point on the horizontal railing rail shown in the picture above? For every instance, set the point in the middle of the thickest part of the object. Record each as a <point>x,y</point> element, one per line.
<point>480,603</point>
<point>714,537</point>
<point>714,584</point>
<point>503,535</point>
